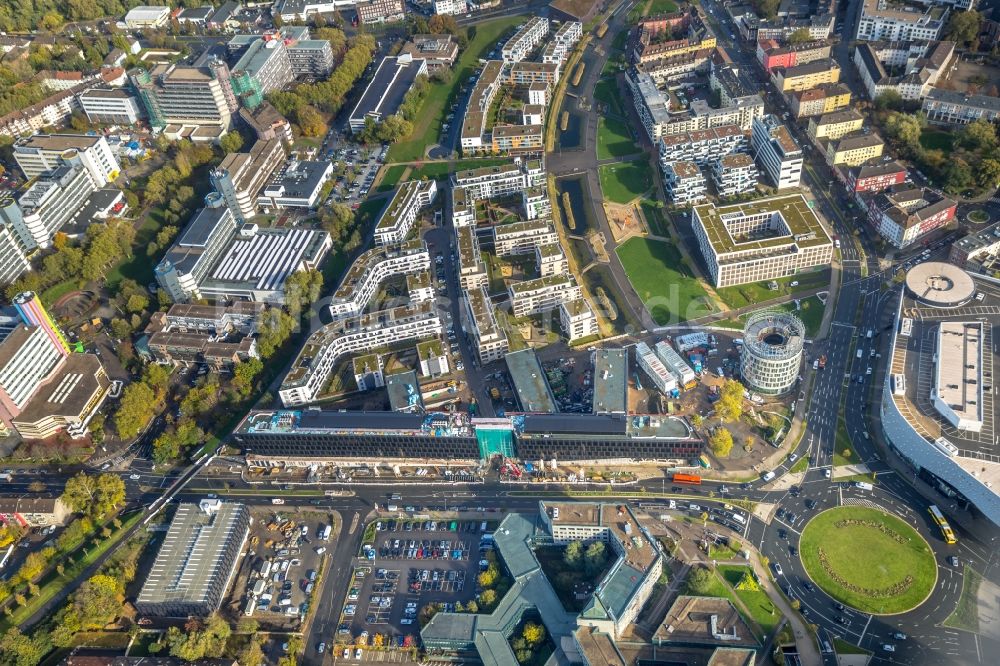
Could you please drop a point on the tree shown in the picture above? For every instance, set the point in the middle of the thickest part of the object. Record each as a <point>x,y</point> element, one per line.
<point>700,581</point>
<point>593,558</point>
<point>94,495</point>
<point>533,633</point>
<point>98,601</point>
<point>573,555</point>
<point>963,27</point>
<point>302,289</point>
<point>244,374</point>
<point>697,420</point>
<point>978,135</point>
<point>251,655</point>
<point>730,404</point>
<point>231,142</point>
<point>721,442</point>
<point>768,8</point>
<point>796,604</point>
<point>904,129</point>
<point>489,577</point>
<point>890,100</point>
<point>958,176</point>
<point>136,408</point>
<point>310,121</point>
<point>487,598</point>
<point>17,649</point>
<point>800,36</point>
<point>275,327</point>
<point>442,24</point>
<point>988,174</point>
<point>34,564</point>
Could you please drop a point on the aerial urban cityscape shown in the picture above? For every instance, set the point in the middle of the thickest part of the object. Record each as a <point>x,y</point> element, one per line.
<point>499,332</point>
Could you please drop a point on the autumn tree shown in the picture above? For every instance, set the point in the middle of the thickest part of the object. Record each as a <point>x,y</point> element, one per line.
<point>534,633</point>
<point>700,581</point>
<point>231,142</point>
<point>729,407</point>
<point>573,554</point>
<point>721,442</point>
<point>94,495</point>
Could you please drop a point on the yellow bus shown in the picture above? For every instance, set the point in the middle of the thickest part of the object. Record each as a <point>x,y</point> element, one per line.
<point>938,517</point>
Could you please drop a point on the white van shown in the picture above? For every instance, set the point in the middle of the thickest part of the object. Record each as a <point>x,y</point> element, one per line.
<point>768,476</point>
<point>740,518</point>
<point>864,485</point>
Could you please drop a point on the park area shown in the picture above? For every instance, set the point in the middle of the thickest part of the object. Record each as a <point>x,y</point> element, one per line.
<point>625,181</point>
<point>440,95</point>
<point>868,559</point>
<point>613,139</point>
<point>663,281</point>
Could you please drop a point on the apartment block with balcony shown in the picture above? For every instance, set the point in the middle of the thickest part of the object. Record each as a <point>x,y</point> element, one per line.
<point>490,340</point>
<point>734,175</point>
<point>371,269</point>
<point>399,215</point>
<point>471,267</point>
<point>577,320</point>
<point>702,146</point>
<point>899,22</point>
<point>550,260</point>
<point>523,237</point>
<point>44,152</point>
<point>853,149</point>
<point>524,41</point>
<point>684,182</point>
<point>562,42</point>
<point>835,125</point>
<point>463,208</point>
<point>542,294</point>
<point>950,107</point>
<point>777,153</point>
<point>536,202</point>
<point>502,180</point>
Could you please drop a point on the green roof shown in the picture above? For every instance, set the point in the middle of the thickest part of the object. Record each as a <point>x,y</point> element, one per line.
<point>803,227</point>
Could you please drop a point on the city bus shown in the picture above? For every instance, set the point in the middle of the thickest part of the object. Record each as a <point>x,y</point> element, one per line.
<point>691,479</point>
<point>938,517</point>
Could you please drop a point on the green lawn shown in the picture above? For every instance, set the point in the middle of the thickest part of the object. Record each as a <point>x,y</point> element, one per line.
<point>931,139</point>
<point>866,565</point>
<point>654,217</point>
<point>843,647</point>
<point>966,614</point>
<point>607,92</point>
<point>57,291</point>
<point>747,294</point>
<point>427,127</point>
<point>810,312</point>
<point>626,181</point>
<point>843,444</point>
<point>391,177</point>
<point>801,465</point>
<point>613,139</point>
<point>757,602</point>
<point>663,282</point>
<point>441,170</point>
<point>657,7</point>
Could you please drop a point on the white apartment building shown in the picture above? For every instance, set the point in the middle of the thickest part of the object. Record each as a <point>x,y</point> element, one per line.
<point>662,379</point>
<point>950,107</point>
<point>241,176</point>
<point>419,286</point>
<point>474,138</point>
<point>577,320</point>
<point>27,357</point>
<point>550,259</point>
<point>12,260</point>
<point>398,217</point>
<point>522,237</point>
<point>471,268</point>
<point>49,203</point>
<point>702,146</point>
<point>563,40</point>
<point>490,340</point>
<point>449,7</point>
<point>920,65</point>
<point>542,294</point>
<point>777,153</point>
<point>499,181</point>
<point>734,174</point>
<point>760,240</point>
<point>201,243</point>
<point>684,183</point>
<point>536,202</point>
<point>463,209</point>
<point>111,106</point>
<point>373,268</point>
<point>326,346</point>
<point>44,152</point>
<point>892,21</point>
<point>525,39</point>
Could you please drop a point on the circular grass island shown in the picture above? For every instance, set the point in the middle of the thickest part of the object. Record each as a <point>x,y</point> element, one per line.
<point>868,559</point>
<point>978,216</point>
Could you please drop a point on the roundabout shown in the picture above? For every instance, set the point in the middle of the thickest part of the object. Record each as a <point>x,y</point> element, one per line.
<point>868,559</point>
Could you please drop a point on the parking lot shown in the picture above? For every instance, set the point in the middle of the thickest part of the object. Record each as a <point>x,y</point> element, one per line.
<point>411,564</point>
<point>286,553</point>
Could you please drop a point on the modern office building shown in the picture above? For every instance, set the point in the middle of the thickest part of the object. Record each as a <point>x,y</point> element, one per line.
<point>197,560</point>
<point>13,261</point>
<point>542,294</point>
<point>760,240</point>
<point>891,21</point>
<point>517,238</point>
<point>240,176</point>
<point>239,316</point>
<point>853,149</point>
<point>380,11</point>
<point>27,358</point>
<point>777,153</point>
<point>262,67</point>
<point>267,123</point>
<point>297,52</point>
<point>734,175</point>
<point>178,97</point>
<point>297,184</point>
<point>66,401</point>
<point>523,42</point>
<point>835,125</point>
<point>325,348</point>
<point>950,107</point>
<point>387,89</point>
<point>903,214</point>
<point>771,356</point>
<point>216,257</point>
<point>50,201</point>
<point>399,215</point>
<point>44,152</point>
<point>371,269</point>
<point>109,106</point>
<point>490,340</point>
<point>684,182</point>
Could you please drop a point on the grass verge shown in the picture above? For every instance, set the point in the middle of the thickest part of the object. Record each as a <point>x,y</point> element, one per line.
<point>843,647</point>
<point>743,295</point>
<point>966,614</point>
<point>759,605</point>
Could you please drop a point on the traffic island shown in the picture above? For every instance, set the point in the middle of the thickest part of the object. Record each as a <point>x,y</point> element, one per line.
<point>868,559</point>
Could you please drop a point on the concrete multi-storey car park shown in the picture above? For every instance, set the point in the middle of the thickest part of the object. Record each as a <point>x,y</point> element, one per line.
<point>324,348</point>
<point>938,304</point>
<point>371,269</point>
<point>760,240</point>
